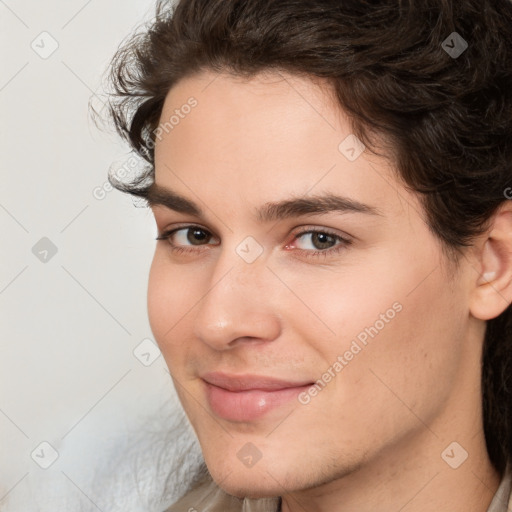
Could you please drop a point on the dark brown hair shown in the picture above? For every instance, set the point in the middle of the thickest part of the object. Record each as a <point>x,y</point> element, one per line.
<point>446,119</point>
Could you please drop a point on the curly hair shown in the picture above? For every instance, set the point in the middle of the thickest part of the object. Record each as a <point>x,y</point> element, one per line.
<point>445,117</point>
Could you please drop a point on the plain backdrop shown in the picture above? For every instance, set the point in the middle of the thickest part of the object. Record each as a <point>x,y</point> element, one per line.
<point>83,388</point>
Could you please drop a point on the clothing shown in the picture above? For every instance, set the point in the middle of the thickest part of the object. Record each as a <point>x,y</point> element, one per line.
<point>208,497</point>
<point>502,501</point>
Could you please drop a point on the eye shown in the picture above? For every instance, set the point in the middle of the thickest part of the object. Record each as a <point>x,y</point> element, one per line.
<point>323,242</point>
<point>179,237</point>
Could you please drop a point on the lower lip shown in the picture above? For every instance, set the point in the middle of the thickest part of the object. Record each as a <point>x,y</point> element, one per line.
<point>248,405</point>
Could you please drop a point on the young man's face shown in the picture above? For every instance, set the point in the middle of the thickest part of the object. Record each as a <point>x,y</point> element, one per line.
<point>261,308</point>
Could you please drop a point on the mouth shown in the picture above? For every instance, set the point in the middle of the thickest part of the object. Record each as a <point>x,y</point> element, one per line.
<point>246,398</point>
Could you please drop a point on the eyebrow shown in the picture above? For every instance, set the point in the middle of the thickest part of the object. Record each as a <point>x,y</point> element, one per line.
<point>270,211</point>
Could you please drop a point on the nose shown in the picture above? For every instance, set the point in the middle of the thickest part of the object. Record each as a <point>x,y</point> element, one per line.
<point>237,306</point>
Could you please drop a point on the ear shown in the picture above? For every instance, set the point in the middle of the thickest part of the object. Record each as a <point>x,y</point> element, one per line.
<point>492,291</point>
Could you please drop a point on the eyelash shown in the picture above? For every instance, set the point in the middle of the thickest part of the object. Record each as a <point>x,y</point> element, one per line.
<point>344,242</point>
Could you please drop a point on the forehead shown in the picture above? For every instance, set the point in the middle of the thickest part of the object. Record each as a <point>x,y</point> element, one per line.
<point>262,137</point>
<point>268,112</point>
<point>266,87</point>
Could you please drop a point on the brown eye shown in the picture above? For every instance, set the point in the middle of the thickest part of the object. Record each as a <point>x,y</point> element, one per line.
<point>196,236</point>
<point>184,238</point>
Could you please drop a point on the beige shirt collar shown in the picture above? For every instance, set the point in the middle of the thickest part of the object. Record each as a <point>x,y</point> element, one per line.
<point>208,497</point>
<point>502,501</point>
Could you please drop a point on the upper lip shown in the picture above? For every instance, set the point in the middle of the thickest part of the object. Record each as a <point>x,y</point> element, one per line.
<point>247,382</point>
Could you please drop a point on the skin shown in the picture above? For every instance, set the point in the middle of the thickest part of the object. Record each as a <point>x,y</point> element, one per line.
<point>373,438</point>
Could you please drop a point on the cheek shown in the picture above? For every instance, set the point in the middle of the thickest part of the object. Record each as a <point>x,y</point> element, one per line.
<point>411,364</point>
<point>159,299</point>
<point>168,301</point>
<point>398,327</point>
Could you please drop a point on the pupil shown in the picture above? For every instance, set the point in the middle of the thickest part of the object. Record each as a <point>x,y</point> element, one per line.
<point>323,238</point>
<point>199,235</point>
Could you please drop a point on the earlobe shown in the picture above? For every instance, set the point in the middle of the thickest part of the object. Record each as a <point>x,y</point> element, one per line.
<point>492,292</point>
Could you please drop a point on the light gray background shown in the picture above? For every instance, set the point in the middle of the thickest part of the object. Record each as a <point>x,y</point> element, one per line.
<point>70,324</point>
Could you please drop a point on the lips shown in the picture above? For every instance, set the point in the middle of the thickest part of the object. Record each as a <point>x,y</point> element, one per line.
<point>246,398</point>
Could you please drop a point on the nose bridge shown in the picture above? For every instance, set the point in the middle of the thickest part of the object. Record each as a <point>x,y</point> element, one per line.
<point>236,304</point>
<point>241,267</point>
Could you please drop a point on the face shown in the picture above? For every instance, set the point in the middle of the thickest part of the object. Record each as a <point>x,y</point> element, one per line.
<point>299,335</point>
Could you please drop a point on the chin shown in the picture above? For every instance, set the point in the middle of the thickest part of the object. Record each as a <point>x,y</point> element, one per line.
<point>250,488</point>
<point>260,481</point>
